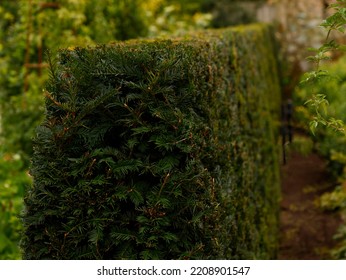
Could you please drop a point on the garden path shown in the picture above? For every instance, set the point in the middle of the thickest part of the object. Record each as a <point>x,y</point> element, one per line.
<point>306,232</point>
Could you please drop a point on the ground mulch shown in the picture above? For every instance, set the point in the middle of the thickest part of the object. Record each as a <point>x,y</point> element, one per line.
<point>306,231</point>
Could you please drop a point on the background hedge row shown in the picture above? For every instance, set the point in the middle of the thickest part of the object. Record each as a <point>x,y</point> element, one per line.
<point>163,149</point>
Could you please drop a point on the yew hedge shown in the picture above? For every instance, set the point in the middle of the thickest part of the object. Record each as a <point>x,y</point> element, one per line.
<point>159,149</point>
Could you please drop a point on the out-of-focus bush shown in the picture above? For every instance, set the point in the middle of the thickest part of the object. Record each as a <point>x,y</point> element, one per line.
<point>13,182</point>
<point>175,17</point>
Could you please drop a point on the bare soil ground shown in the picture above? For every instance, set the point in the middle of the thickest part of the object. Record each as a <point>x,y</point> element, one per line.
<point>306,232</point>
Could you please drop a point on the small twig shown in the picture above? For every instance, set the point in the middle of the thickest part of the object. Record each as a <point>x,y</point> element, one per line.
<point>49,96</point>
<point>164,183</point>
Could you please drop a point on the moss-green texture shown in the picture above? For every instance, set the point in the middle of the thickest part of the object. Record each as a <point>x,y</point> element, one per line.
<point>163,149</point>
<point>244,119</point>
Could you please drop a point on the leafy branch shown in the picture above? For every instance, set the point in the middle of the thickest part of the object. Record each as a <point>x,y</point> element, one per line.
<point>318,102</point>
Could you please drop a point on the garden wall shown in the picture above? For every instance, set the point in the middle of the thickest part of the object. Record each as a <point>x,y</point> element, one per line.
<point>162,149</point>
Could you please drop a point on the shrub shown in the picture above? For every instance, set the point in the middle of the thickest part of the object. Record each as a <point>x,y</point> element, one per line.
<point>160,149</point>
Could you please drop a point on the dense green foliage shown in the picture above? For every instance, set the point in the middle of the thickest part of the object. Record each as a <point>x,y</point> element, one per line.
<point>162,149</point>
<point>28,28</point>
<point>329,143</point>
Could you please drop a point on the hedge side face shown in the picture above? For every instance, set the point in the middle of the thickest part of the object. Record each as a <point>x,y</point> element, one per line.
<point>158,150</point>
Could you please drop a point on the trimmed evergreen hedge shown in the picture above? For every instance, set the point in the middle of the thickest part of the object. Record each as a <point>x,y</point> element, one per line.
<point>162,149</point>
